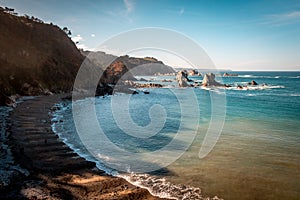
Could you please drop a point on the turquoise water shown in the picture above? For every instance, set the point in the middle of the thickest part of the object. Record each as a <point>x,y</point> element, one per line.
<point>256,157</point>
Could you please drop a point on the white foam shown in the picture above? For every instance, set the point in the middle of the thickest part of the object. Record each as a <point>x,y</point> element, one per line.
<point>244,76</point>
<point>56,116</point>
<point>295,95</point>
<point>252,76</point>
<point>164,189</point>
<point>258,87</point>
<point>295,77</point>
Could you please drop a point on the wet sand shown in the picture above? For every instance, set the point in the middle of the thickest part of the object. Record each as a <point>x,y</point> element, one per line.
<point>56,172</point>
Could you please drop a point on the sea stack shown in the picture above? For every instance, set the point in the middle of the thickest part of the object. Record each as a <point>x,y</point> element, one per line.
<point>182,78</point>
<point>209,80</point>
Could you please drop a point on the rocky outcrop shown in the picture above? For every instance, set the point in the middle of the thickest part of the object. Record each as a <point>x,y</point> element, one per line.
<point>182,78</point>
<point>253,83</point>
<point>117,72</point>
<point>209,80</point>
<point>193,72</point>
<point>227,74</point>
<point>145,66</point>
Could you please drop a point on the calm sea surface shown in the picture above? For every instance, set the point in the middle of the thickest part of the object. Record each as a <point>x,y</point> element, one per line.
<point>257,155</point>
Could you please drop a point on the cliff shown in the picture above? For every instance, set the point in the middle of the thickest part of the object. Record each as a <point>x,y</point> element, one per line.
<point>147,66</point>
<point>39,59</point>
<point>35,57</point>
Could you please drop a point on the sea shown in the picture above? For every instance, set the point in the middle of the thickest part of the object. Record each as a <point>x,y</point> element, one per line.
<point>196,142</point>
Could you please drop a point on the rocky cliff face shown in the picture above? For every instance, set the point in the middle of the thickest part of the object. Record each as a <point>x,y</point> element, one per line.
<point>137,66</point>
<point>35,57</point>
<point>117,72</point>
<point>145,66</point>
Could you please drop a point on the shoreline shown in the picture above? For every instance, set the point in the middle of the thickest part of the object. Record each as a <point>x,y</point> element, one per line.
<point>56,171</point>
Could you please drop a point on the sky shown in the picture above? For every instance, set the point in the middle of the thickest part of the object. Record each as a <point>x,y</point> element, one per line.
<point>237,35</point>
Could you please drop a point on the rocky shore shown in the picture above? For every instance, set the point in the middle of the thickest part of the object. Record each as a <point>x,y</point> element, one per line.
<point>54,171</point>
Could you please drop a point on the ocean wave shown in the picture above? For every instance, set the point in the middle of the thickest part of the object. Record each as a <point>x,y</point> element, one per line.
<point>58,128</point>
<point>241,83</point>
<point>244,76</point>
<point>258,87</point>
<point>253,76</point>
<point>169,86</point>
<point>164,189</point>
<point>294,77</point>
<point>243,88</point>
<point>295,95</point>
<point>280,95</point>
<point>287,95</point>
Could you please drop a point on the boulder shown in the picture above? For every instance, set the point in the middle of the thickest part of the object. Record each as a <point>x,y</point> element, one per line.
<point>103,89</point>
<point>253,82</point>
<point>209,80</point>
<point>239,87</point>
<point>10,100</point>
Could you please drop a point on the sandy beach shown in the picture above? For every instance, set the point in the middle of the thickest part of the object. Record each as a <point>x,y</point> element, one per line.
<point>56,172</point>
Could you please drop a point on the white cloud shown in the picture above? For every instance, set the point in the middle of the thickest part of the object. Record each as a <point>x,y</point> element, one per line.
<point>129,5</point>
<point>93,35</point>
<point>283,19</point>
<point>82,46</point>
<point>181,11</point>
<point>77,38</point>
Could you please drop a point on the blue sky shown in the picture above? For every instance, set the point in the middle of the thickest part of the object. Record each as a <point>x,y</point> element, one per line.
<point>237,35</point>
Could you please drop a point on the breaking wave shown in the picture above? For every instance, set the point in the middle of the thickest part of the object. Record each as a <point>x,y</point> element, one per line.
<point>164,189</point>
<point>254,87</point>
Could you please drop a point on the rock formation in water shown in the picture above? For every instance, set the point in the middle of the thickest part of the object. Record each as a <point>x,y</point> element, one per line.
<point>227,74</point>
<point>253,83</point>
<point>209,80</point>
<point>119,77</point>
<point>182,78</point>
<point>194,72</point>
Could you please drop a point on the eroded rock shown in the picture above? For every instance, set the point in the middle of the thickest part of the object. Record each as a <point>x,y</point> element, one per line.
<point>182,78</point>
<point>209,80</point>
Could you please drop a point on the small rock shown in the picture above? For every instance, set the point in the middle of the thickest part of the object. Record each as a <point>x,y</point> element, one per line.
<point>253,82</point>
